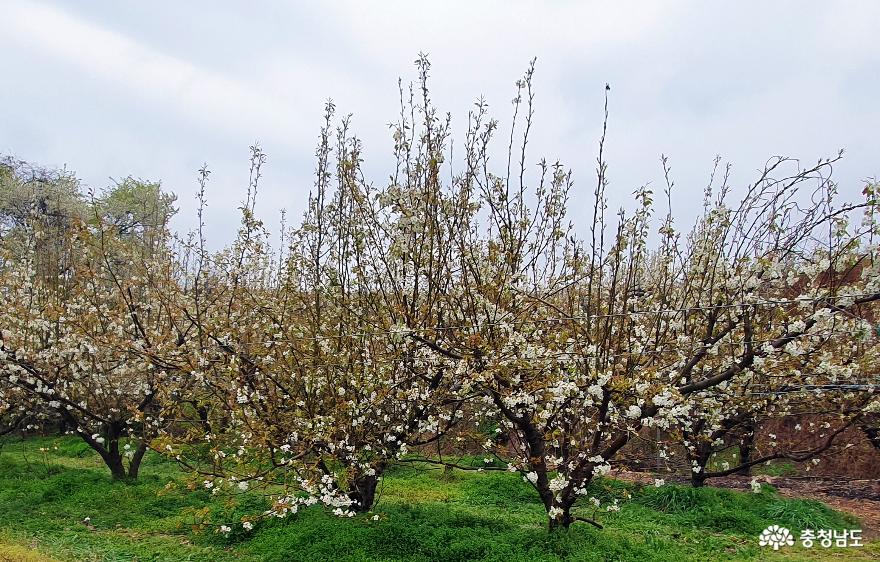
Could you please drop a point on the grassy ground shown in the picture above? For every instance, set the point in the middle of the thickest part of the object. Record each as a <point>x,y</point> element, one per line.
<point>423,515</point>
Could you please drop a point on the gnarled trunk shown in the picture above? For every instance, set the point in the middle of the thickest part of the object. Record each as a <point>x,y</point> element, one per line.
<point>115,459</point>
<point>363,490</point>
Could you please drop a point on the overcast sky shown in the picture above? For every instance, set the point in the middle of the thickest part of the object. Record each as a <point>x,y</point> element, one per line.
<point>154,89</point>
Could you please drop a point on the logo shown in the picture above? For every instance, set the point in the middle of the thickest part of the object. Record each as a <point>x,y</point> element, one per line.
<point>776,536</point>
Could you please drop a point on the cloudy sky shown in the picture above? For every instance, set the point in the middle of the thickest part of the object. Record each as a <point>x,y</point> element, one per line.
<point>154,89</point>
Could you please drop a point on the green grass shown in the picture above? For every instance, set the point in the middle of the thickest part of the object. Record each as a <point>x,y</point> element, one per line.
<point>731,456</point>
<point>425,515</point>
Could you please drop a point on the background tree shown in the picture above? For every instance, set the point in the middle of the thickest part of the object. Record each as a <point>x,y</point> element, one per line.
<point>76,330</point>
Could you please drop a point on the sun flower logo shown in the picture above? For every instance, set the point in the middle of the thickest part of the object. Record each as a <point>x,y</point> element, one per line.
<point>776,536</point>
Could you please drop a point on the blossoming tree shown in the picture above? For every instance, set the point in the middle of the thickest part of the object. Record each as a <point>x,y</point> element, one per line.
<point>75,325</point>
<point>579,346</point>
<point>316,354</point>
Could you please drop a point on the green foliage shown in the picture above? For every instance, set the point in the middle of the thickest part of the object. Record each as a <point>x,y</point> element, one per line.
<point>807,514</point>
<point>746,513</point>
<point>134,204</point>
<point>777,469</point>
<point>53,196</point>
<point>492,516</point>
<point>500,490</point>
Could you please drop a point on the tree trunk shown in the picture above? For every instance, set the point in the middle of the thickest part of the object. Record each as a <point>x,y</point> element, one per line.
<point>564,521</point>
<point>203,418</point>
<point>363,492</point>
<point>746,446</point>
<point>134,465</point>
<point>109,453</point>
<point>564,503</point>
<point>704,453</point>
<point>114,462</point>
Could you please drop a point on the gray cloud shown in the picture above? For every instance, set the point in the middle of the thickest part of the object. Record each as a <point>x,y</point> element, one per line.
<point>154,89</point>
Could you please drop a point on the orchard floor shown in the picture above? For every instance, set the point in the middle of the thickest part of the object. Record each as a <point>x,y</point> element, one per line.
<point>423,514</point>
<point>857,497</point>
